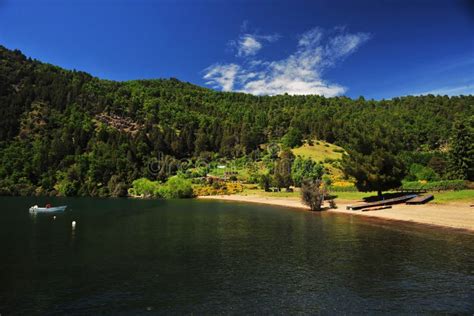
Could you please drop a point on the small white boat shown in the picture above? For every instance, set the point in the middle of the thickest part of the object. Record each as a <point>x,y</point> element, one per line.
<point>51,209</point>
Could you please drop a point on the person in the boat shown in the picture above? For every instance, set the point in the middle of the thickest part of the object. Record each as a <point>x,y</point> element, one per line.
<point>48,205</point>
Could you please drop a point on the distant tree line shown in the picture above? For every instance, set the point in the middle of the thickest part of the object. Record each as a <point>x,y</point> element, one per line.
<point>54,138</point>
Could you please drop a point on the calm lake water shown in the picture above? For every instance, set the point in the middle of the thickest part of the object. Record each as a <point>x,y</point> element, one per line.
<point>214,257</point>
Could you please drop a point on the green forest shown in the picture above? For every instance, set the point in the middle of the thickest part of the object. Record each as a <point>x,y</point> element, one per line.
<point>65,132</point>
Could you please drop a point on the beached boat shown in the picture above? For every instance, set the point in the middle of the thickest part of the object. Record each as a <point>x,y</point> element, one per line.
<point>397,200</point>
<point>421,199</point>
<point>51,209</point>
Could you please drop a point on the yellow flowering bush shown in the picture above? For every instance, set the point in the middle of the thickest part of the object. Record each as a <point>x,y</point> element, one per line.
<point>221,189</point>
<point>342,183</point>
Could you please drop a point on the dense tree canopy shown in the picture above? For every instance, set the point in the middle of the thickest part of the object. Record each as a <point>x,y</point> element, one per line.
<point>69,132</point>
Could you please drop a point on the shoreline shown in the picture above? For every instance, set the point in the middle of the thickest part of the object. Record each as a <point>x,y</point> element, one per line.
<point>453,216</point>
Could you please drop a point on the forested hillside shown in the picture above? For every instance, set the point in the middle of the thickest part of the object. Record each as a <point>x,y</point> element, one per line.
<point>66,131</point>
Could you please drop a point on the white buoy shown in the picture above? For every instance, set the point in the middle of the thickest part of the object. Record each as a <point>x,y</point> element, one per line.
<point>73,224</point>
<point>54,217</point>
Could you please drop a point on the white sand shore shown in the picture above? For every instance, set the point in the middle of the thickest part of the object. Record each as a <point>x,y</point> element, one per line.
<point>456,215</point>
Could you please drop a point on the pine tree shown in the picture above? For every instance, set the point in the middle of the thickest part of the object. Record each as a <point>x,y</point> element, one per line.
<point>373,161</point>
<point>461,155</point>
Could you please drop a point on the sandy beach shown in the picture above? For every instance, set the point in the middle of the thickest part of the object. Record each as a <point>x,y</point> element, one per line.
<point>452,215</point>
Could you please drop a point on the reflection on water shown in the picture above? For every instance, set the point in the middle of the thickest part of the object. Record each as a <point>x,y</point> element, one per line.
<point>134,256</point>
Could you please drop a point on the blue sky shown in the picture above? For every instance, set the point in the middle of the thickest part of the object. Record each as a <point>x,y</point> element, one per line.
<point>377,49</point>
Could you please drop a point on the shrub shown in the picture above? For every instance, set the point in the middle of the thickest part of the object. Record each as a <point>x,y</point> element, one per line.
<point>176,188</point>
<point>312,194</point>
<point>253,178</point>
<point>116,187</point>
<point>438,164</point>
<point>144,187</point>
<point>226,188</point>
<point>420,172</point>
<point>327,180</point>
<point>328,160</point>
<point>435,185</point>
<point>233,188</point>
<point>337,188</point>
<point>265,181</point>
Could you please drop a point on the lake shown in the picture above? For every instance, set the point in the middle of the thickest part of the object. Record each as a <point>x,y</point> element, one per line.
<point>216,257</point>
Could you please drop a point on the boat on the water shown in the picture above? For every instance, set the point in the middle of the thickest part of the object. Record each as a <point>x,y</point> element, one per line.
<point>47,209</point>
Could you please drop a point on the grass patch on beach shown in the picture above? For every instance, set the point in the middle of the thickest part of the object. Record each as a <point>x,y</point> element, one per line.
<point>259,192</point>
<point>454,196</point>
<point>352,196</point>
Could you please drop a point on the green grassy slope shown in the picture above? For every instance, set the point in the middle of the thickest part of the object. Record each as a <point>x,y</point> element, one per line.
<point>319,151</point>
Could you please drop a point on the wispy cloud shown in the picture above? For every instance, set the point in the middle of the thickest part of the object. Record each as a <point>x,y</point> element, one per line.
<point>467,89</point>
<point>299,73</point>
<point>249,44</point>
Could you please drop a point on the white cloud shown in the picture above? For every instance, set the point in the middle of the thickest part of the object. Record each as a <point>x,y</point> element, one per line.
<point>248,45</point>
<point>221,76</point>
<point>299,73</point>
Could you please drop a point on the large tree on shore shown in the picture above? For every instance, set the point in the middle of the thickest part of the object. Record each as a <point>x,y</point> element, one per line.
<point>461,155</point>
<point>373,161</point>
